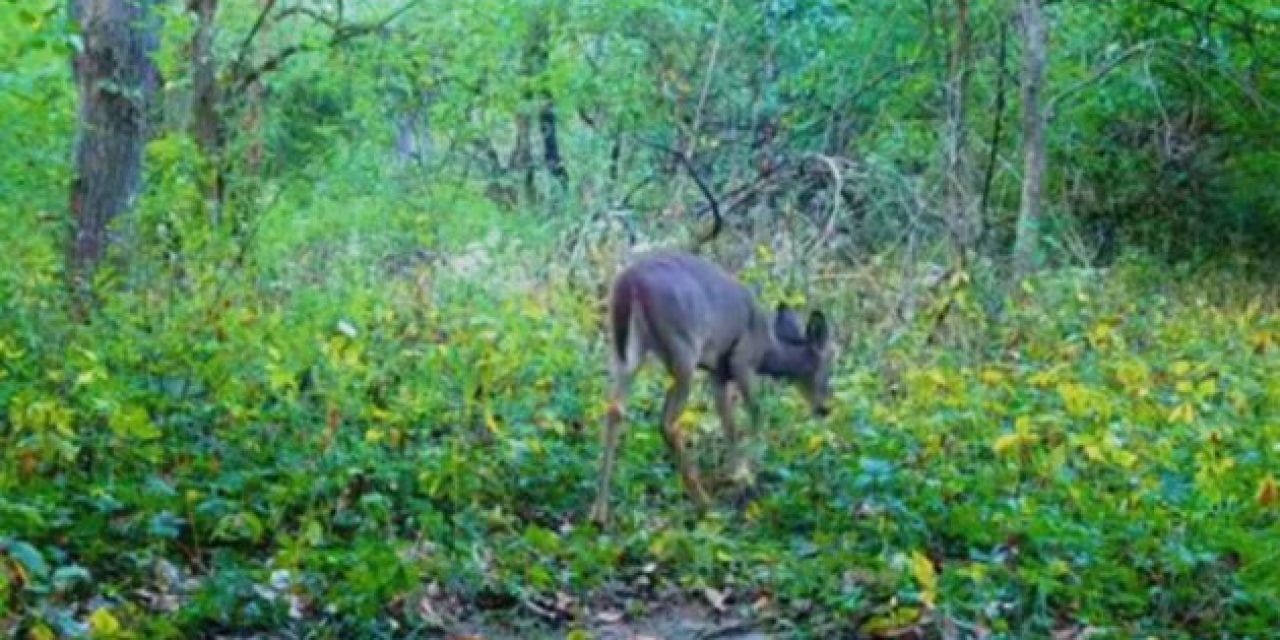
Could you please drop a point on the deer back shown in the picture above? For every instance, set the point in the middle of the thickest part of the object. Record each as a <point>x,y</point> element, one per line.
<point>685,309</point>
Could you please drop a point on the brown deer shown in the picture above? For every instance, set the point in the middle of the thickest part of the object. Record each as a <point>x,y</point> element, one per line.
<point>692,314</point>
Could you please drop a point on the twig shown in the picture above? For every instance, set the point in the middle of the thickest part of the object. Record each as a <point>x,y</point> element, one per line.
<point>691,147</point>
<point>717,218</point>
<point>341,34</point>
<point>837,188</point>
<point>727,630</point>
<point>706,81</point>
<point>310,13</point>
<point>996,128</point>
<point>1102,71</point>
<point>253,33</point>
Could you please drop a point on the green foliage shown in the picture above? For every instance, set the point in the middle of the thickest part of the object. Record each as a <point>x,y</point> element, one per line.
<point>360,396</point>
<point>325,450</point>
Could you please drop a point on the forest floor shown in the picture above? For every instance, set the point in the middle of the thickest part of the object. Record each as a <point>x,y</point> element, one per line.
<point>667,622</point>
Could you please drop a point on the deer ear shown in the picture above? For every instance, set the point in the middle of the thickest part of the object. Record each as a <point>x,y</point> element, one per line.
<point>817,331</point>
<point>786,325</point>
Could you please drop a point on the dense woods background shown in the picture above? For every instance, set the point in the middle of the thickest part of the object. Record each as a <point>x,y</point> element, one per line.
<point>300,315</point>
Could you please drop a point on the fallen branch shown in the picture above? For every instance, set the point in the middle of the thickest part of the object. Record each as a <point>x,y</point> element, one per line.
<point>837,188</point>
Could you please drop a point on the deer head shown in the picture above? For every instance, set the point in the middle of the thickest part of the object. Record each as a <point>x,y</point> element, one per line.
<point>802,356</point>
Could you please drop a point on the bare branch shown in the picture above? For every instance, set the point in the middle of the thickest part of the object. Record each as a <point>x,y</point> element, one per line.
<point>335,24</point>
<point>243,54</point>
<point>1099,74</point>
<point>341,33</point>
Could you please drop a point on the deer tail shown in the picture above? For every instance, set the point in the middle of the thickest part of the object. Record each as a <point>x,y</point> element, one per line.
<point>620,309</point>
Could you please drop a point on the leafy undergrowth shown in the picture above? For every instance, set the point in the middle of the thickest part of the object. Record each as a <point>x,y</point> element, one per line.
<point>414,455</point>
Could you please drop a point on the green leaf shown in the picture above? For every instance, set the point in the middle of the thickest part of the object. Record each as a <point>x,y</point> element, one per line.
<point>68,576</point>
<point>29,557</point>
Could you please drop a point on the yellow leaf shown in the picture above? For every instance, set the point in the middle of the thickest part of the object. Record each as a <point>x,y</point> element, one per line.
<point>1184,412</point>
<point>103,624</point>
<point>1261,341</point>
<point>1022,424</point>
<point>1134,376</point>
<point>891,624</point>
<point>817,442</point>
<point>492,423</point>
<point>1207,387</point>
<point>1006,442</point>
<point>1094,452</point>
<point>922,570</point>
<point>1100,334</point>
<point>41,632</point>
<point>1181,368</point>
<point>1044,379</point>
<point>1124,458</point>
<point>1059,567</point>
<point>1268,492</point>
<point>1075,398</point>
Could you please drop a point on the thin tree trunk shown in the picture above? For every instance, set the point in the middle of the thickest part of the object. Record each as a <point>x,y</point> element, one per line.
<point>531,62</point>
<point>997,124</point>
<point>1026,246</point>
<point>115,80</point>
<point>206,127</point>
<point>615,157</point>
<point>254,107</point>
<point>521,160</point>
<point>536,65</point>
<point>551,141</point>
<point>961,217</point>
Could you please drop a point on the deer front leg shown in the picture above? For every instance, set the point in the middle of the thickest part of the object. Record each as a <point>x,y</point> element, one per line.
<point>745,381</point>
<point>737,463</point>
<point>677,396</point>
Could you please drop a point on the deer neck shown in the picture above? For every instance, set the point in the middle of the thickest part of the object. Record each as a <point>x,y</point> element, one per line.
<point>786,360</point>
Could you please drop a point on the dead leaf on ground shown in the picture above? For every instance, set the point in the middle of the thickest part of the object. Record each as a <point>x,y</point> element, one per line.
<point>1076,633</point>
<point>716,598</point>
<point>609,616</point>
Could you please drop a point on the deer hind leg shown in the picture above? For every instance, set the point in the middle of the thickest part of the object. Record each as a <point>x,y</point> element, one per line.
<point>677,396</point>
<point>623,372</point>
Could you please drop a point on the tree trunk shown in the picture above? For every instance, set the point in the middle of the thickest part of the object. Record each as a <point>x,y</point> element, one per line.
<point>535,65</point>
<point>961,216</point>
<point>253,108</point>
<point>997,123</point>
<point>115,79</point>
<point>551,141</point>
<point>206,126</point>
<point>521,160</point>
<point>1026,246</point>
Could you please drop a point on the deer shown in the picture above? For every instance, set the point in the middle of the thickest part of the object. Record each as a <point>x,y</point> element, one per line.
<point>693,315</point>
